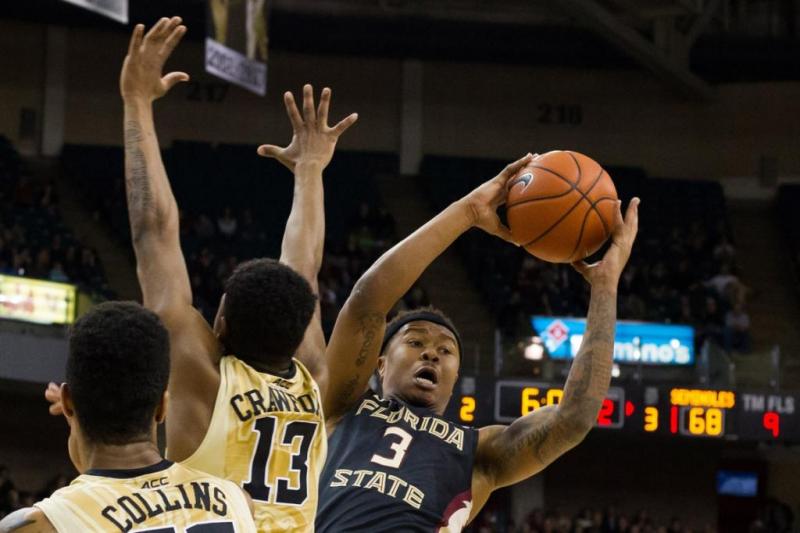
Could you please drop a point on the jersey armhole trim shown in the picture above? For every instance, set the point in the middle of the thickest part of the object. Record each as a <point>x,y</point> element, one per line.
<point>223,379</point>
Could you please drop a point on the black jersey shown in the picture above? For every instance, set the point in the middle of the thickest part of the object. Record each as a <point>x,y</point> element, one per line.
<point>394,467</point>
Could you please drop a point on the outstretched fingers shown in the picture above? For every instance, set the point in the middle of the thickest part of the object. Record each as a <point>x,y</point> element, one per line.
<point>136,40</point>
<point>308,105</point>
<point>173,39</point>
<point>344,124</point>
<point>632,214</point>
<point>292,111</point>
<point>269,150</point>
<point>173,78</point>
<point>324,106</point>
<point>157,31</point>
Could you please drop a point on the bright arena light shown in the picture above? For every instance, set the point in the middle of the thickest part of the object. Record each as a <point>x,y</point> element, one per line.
<point>534,351</point>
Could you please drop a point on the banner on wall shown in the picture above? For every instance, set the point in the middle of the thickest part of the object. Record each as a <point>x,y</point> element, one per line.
<point>635,342</point>
<point>236,42</point>
<point>115,9</point>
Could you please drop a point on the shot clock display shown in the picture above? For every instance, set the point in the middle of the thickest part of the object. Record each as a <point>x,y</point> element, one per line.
<point>648,410</point>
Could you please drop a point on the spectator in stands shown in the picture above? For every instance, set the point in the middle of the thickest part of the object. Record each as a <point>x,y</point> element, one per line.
<point>57,273</point>
<point>41,266</point>
<point>204,228</point>
<point>723,281</point>
<point>227,224</point>
<point>737,329</point>
<point>724,252</point>
<point>6,486</point>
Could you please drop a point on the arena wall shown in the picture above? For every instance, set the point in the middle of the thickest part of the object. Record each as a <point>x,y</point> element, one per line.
<point>621,117</point>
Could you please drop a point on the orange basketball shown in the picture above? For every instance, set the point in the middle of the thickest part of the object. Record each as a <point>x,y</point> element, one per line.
<point>561,206</point>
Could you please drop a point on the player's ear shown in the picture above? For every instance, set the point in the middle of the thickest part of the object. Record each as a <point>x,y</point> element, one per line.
<point>67,405</point>
<point>381,366</point>
<point>161,410</point>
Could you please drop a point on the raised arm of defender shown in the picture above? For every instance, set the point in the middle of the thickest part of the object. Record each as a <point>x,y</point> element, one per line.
<point>151,205</point>
<point>354,346</point>
<point>154,220</point>
<point>509,454</point>
<point>310,151</point>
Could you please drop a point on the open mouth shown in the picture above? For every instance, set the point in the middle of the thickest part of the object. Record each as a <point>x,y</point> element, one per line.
<point>426,377</point>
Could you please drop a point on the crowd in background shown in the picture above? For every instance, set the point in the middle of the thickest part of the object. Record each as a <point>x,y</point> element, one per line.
<point>34,242</point>
<point>215,245</point>
<point>691,278</point>
<point>13,497</point>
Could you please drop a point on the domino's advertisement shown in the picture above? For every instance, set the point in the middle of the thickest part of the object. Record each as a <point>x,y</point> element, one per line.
<point>635,342</point>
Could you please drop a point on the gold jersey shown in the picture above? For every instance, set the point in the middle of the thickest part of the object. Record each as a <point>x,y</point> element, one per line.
<point>163,498</point>
<point>267,434</point>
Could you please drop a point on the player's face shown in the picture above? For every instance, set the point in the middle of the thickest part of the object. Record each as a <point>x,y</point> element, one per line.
<point>420,365</point>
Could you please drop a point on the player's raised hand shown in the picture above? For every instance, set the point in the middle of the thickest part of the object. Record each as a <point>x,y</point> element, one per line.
<point>141,76</point>
<point>482,203</point>
<point>609,269</point>
<point>313,141</point>
<point>53,395</point>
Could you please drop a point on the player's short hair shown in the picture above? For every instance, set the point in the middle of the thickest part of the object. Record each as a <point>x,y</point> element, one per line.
<point>427,313</point>
<point>117,371</point>
<point>268,307</point>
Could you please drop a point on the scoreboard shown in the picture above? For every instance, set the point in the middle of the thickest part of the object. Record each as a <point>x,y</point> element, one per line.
<point>650,410</point>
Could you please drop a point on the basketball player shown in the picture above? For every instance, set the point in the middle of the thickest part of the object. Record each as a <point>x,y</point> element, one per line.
<point>242,407</point>
<point>114,397</point>
<point>394,463</point>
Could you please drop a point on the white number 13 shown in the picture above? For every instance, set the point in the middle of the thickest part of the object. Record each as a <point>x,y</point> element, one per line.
<point>399,448</point>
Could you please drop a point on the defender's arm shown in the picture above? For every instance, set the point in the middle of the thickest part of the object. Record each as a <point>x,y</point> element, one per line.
<point>160,265</point>
<point>509,454</point>
<point>355,343</point>
<point>308,154</point>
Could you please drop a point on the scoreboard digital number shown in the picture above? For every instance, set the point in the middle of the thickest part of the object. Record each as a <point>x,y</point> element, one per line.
<point>516,399</point>
<point>699,413</point>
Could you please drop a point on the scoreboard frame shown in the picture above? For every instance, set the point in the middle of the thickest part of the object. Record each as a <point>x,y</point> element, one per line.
<point>667,410</point>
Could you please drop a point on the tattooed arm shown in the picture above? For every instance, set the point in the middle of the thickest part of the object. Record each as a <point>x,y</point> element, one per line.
<point>160,265</point>
<point>509,454</point>
<point>28,520</point>
<point>352,353</point>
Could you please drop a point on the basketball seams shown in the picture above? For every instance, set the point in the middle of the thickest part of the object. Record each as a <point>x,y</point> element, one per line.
<point>571,209</point>
<point>578,166</point>
<point>540,198</point>
<point>600,215</point>
<point>580,233</point>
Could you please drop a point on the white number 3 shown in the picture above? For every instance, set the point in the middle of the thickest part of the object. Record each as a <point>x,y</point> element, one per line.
<point>399,448</point>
